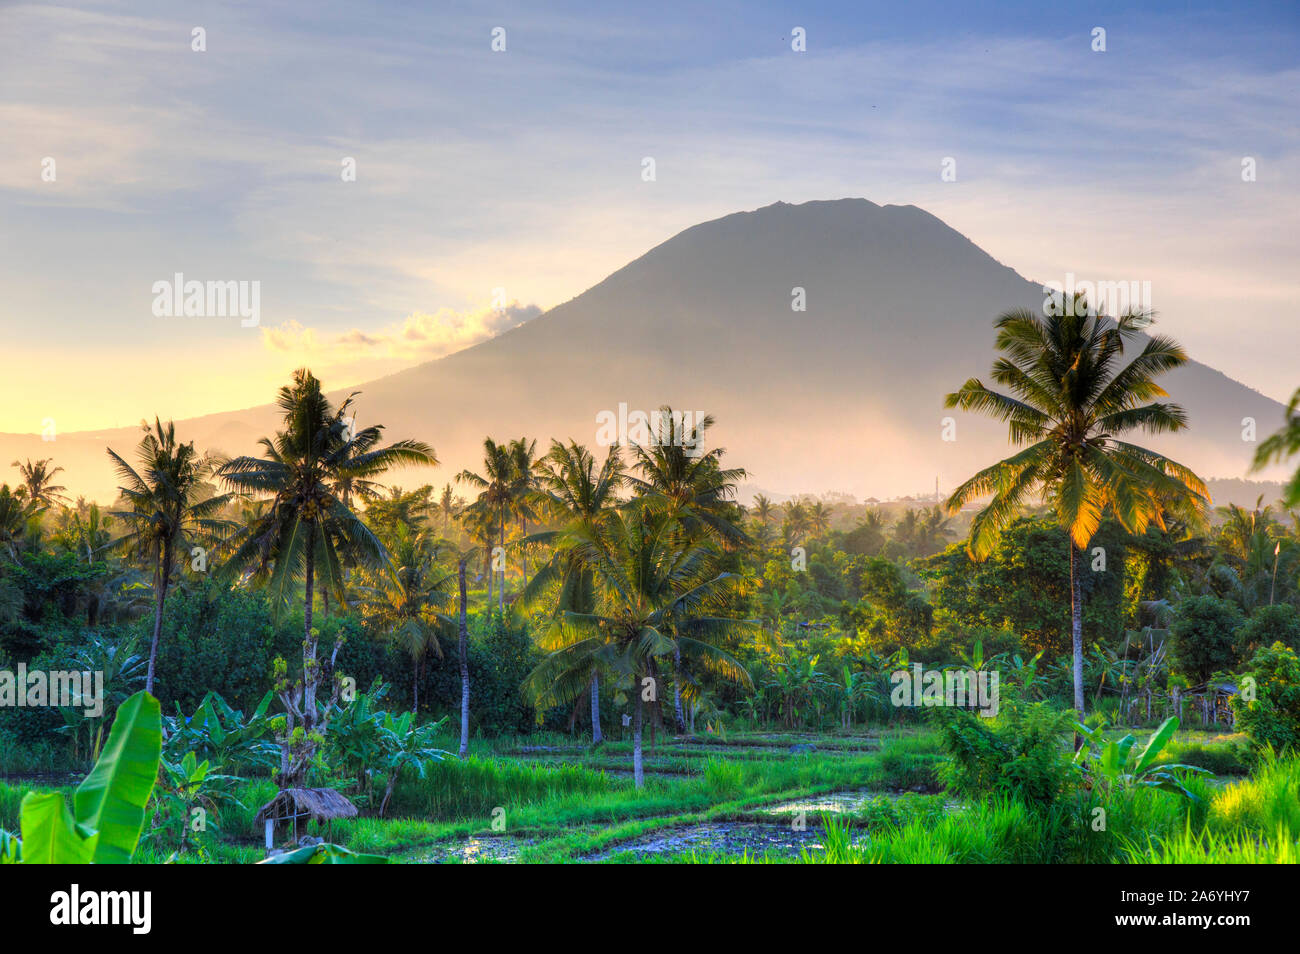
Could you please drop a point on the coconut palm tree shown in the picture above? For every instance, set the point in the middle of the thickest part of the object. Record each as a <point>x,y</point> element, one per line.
<point>480,524</point>
<point>1282,445</point>
<point>1070,400</point>
<point>932,531</point>
<point>763,509</point>
<point>819,518</point>
<point>688,482</point>
<point>449,507</point>
<point>523,454</point>
<point>307,526</point>
<point>171,503</point>
<point>498,487</point>
<point>795,523</point>
<point>37,481</point>
<point>410,603</point>
<point>678,477</point>
<point>653,594</point>
<point>462,645</point>
<point>16,509</point>
<point>576,497</point>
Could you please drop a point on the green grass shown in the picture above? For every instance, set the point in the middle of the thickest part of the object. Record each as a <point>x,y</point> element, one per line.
<point>567,806</point>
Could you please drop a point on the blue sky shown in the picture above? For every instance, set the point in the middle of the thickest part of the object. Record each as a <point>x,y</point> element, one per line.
<point>521,170</point>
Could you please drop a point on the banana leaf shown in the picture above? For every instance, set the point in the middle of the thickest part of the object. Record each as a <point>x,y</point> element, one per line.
<point>111,801</point>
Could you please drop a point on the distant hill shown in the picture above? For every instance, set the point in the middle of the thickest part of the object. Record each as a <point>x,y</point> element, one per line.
<point>847,394</point>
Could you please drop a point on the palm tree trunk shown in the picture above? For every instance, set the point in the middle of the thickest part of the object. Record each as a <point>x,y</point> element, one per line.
<point>164,577</point>
<point>1076,629</point>
<point>677,689</point>
<point>638,772</point>
<point>490,572</point>
<point>596,737</point>
<point>464,664</point>
<point>415,691</point>
<point>309,675</point>
<point>501,594</point>
<point>523,554</point>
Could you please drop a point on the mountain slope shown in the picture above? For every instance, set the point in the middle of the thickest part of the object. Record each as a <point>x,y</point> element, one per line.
<point>846,395</point>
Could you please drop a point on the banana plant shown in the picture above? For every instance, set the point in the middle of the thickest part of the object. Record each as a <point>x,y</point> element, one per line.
<point>221,735</point>
<point>109,804</point>
<point>1115,763</point>
<point>186,789</point>
<point>406,746</point>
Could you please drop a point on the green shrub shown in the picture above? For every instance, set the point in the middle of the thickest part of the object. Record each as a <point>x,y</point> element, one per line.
<point>1201,636</point>
<point>1021,752</point>
<point>1279,623</point>
<point>1272,719</point>
<point>1221,758</point>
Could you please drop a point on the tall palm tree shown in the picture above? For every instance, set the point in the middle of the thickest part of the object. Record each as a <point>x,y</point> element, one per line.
<point>795,524</point>
<point>653,593</point>
<point>523,454</point>
<point>16,509</point>
<point>171,502</point>
<point>577,497</point>
<point>678,477</point>
<point>38,479</point>
<point>410,603</point>
<point>1069,401</point>
<point>480,524</point>
<point>932,531</point>
<point>497,487</point>
<point>688,482</point>
<point>307,526</point>
<point>819,518</point>
<point>1282,445</point>
<point>462,646</point>
<point>763,509</point>
<point>449,507</point>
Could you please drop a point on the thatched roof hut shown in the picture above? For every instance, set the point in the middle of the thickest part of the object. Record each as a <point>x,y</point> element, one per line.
<point>292,804</point>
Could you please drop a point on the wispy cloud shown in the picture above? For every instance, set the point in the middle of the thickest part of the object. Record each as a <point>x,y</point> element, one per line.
<point>421,336</point>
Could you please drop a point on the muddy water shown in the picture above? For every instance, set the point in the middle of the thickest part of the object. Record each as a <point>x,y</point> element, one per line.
<point>779,838</point>
<point>473,850</point>
<point>725,837</point>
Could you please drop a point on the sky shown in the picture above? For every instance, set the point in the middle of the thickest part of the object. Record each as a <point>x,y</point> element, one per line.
<point>492,184</point>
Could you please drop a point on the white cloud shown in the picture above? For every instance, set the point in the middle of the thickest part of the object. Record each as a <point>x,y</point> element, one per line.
<point>421,336</point>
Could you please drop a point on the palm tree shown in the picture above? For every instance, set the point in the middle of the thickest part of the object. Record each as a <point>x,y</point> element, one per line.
<point>689,483</point>
<point>577,497</point>
<point>37,481</point>
<point>652,592</point>
<point>497,494</point>
<point>171,500</point>
<point>480,524</point>
<point>409,603</point>
<point>763,509</point>
<point>1069,403</point>
<point>1282,445</point>
<point>869,534</point>
<point>462,647</point>
<point>16,509</point>
<point>678,477</point>
<point>819,518</point>
<point>307,526</point>
<point>449,507</point>
<point>796,521</point>
<point>931,532</point>
<point>523,454</point>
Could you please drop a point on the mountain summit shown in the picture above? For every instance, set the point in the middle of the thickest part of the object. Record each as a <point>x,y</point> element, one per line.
<point>846,394</point>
